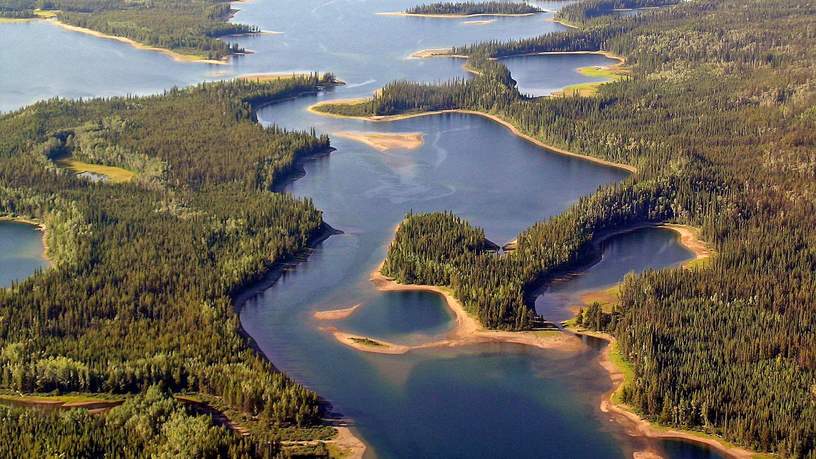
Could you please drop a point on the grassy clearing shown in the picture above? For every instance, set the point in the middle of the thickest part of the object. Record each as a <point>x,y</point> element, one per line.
<point>57,399</point>
<point>608,298</point>
<point>113,174</point>
<point>46,14</point>
<point>698,263</point>
<point>611,73</point>
<point>618,359</point>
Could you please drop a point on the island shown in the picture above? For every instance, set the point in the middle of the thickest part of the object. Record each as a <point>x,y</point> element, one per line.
<point>187,30</point>
<point>470,9</point>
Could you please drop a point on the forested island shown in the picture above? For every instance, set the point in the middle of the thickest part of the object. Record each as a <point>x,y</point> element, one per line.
<point>586,11</point>
<point>140,297</point>
<point>721,132</point>
<point>189,27</point>
<point>473,9</point>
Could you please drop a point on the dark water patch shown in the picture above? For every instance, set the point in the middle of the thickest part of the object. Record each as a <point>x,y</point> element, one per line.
<point>542,75</point>
<point>21,251</point>
<point>634,251</point>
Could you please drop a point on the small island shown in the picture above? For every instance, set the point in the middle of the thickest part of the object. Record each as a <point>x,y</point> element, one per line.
<point>470,9</point>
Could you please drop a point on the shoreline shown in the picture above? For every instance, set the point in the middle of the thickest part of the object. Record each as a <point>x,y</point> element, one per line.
<point>40,227</point>
<point>466,330</point>
<point>352,446</point>
<point>495,118</point>
<point>644,427</point>
<point>176,56</point>
<point>688,237</point>
<point>455,15</point>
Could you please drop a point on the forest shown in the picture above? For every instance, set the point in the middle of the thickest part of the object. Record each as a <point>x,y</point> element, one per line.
<point>151,424</point>
<point>141,291</point>
<point>187,26</point>
<point>583,12</point>
<point>472,8</point>
<point>718,117</point>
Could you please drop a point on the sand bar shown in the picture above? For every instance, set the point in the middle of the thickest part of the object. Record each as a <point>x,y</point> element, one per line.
<point>383,141</point>
<point>336,314</point>
<point>481,22</point>
<point>466,331</point>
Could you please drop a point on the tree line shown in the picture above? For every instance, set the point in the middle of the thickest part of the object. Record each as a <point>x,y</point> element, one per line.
<point>469,8</point>
<point>187,26</point>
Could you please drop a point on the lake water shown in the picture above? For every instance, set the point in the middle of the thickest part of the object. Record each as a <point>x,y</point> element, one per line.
<point>21,252</point>
<point>542,77</point>
<point>496,400</point>
<point>637,250</point>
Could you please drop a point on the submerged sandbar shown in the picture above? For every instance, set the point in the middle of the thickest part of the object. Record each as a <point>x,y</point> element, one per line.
<point>384,141</point>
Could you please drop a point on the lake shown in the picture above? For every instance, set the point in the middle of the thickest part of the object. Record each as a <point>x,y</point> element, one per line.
<point>21,251</point>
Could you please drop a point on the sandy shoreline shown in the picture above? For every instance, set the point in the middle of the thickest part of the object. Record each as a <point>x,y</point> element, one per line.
<point>349,445</point>
<point>638,426</point>
<point>176,56</point>
<point>496,118</point>
<point>435,52</point>
<point>40,226</point>
<point>383,141</point>
<point>455,16</point>
<point>466,331</point>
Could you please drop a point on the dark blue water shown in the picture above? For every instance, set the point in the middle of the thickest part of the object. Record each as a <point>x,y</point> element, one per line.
<point>635,251</point>
<point>21,252</point>
<point>543,75</point>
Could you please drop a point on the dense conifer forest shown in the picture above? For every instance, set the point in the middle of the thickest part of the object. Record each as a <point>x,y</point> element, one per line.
<point>144,273</point>
<point>187,26</point>
<point>718,117</point>
<point>469,8</point>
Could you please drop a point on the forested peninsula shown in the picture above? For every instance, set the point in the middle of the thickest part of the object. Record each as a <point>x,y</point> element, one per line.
<point>718,119</point>
<point>140,296</point>
<point>473,9</point>
<point>188,27</point>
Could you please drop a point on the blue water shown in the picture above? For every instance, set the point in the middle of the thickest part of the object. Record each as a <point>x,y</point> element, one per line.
<point>21,252</point>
